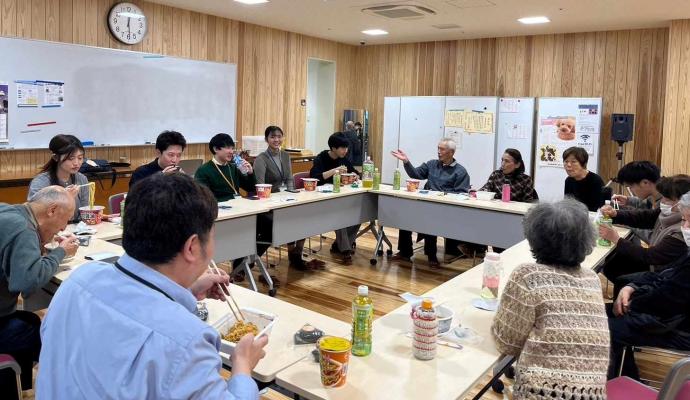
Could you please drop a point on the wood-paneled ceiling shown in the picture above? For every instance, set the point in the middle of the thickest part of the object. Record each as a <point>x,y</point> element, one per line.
<point>343,20</point>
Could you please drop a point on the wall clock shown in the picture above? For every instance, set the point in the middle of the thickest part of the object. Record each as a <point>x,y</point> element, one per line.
<point>127,23</point>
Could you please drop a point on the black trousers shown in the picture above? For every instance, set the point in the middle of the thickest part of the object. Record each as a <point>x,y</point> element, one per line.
<point>620,266</point>
<point>430,247</point>
<point>19,337</point>
<point>637,329</point>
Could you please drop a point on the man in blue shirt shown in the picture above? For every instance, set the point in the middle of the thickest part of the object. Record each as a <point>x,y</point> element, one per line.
<point>129,330</point>
<point>443,175</point>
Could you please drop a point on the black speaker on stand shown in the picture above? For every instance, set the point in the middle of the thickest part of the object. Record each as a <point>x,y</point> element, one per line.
<point>622,129</point>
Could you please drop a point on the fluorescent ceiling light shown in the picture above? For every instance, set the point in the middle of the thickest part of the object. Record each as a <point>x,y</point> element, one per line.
<point>375,32</point>
<point>130,15</point>
<point>534,20</point>
<point>252,1</point>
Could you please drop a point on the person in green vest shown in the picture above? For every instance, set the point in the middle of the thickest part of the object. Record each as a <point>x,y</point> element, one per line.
<point>221,175</point>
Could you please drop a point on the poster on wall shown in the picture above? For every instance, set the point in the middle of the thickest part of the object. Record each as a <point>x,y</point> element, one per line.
<point>557,133</point>
<point>27,94</point>
<point>53,94</point>
<point>4,111</point>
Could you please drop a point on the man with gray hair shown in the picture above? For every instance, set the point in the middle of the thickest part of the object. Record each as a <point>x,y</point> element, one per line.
<point>443,175</point>
<point>25,266</point>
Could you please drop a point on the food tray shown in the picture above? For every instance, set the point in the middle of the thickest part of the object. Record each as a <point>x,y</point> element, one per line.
<point>262,320</point>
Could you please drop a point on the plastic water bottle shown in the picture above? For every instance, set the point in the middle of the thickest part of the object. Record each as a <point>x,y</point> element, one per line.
<point>605,220</point>
<point>368,165</point>
<point>491,277</point>
<point>336,182</point>
<point>368,173</point>
<point>425,332</point>
<point>377,179</point>
<point>396,179</point>
<point>238,160</point>
<point>362,316</point>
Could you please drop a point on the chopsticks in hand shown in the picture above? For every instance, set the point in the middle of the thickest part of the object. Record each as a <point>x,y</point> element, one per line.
<point>226,290</point>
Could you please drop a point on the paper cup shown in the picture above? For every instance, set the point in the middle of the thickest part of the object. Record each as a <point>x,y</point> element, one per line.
<point>263,190</point>
<point>91,216</point>
<point>310,184</point>
<point>412,185</point>
<point>334,357</point>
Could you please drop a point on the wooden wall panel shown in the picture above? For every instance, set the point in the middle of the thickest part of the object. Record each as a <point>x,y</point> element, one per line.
<point>272,64</point>
<point>626,68</point>
<point>677,109</point>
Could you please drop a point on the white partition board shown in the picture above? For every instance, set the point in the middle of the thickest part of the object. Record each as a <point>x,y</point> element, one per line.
<point>421,128</point>
<point>475,151</point>
<point>391,138</point>
<point>516,129</point>
<point>549,175</point>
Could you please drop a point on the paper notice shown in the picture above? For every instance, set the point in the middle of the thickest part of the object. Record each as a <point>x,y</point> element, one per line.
<point>53,94</point>
<point>479,122</point>
<point>506,105</point>
<point>4,110</point>
<point>516,131</point>
<point>27,94</point>
<point>455,118</point>
<point>456,135</point>
<point>587,120</point>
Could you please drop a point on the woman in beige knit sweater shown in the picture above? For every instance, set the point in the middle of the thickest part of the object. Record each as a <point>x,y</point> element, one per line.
<point>552,312</point>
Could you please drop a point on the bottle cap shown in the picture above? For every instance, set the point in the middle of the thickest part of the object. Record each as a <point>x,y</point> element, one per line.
<point>607,202</point>
<point>363,290</point>
<point>492,256</point>
<point>427,304</point>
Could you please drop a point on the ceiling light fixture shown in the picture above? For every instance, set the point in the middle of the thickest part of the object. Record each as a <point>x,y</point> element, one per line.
<point>375,32</point>
<point>534,20</point>
<point>252,1</point>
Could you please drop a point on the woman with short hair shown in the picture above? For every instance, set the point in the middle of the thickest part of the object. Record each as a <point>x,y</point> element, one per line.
<point>551,314</point>
<point>581,184</point>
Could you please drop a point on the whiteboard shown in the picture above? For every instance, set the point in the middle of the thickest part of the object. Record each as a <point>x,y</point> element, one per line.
<point>475,151</point>
<point>549,176</point>
<point>421,128</point>
<point>516,129</point>
<point>117,97</point>
<point>391,138</point>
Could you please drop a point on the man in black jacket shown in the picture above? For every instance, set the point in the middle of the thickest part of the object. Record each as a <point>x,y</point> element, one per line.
<point>653,309</point>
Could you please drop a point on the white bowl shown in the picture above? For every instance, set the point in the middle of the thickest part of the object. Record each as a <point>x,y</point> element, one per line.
<point>261,319</point>
<point>484,195</point>
<point>53,246</point>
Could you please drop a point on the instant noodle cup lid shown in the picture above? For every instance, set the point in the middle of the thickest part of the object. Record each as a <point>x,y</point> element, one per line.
<point>335,344</point>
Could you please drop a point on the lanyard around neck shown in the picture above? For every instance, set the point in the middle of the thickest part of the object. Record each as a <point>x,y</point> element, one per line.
<point>142,280</point>
<point>226,179</point>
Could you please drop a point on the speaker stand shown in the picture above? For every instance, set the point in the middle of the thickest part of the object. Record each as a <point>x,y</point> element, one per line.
<point>620,158</point>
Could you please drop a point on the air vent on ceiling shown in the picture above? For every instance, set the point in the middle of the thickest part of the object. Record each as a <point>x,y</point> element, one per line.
<point>447,26</point>
<point>399,11</point>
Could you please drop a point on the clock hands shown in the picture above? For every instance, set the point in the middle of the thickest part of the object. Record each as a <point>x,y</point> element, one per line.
<point>129,30</point>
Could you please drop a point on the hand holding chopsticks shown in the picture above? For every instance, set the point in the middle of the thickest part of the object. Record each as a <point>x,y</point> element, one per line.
<point>226,290</point>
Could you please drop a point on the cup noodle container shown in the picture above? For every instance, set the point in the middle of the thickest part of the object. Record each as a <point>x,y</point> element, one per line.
<point>91,216</point>
<point>334,357</point>
<point>263,190</point>
<point>347,179</point>
<point>310,184</point>
<point>412,185</point>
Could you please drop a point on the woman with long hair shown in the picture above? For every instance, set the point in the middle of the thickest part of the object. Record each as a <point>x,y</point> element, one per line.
<point>67,156</point>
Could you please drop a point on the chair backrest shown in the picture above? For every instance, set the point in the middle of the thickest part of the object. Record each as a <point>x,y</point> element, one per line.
<point>190,166</point>
<point>298,179</point>
<point>115,201</point>
<point>676,385</point>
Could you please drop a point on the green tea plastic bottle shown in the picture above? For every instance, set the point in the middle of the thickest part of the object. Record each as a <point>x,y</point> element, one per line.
<point>396,179</point>
<point>377,179</point>
<point>605,220</point>
<point>362,317</point>
<point>336,182</point>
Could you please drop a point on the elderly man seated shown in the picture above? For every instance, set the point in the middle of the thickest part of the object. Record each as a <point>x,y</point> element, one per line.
<point>444,175</point>
<point>25,266</point>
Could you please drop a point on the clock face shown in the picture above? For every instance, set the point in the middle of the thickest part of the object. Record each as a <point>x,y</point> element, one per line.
<point>127,23</point>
